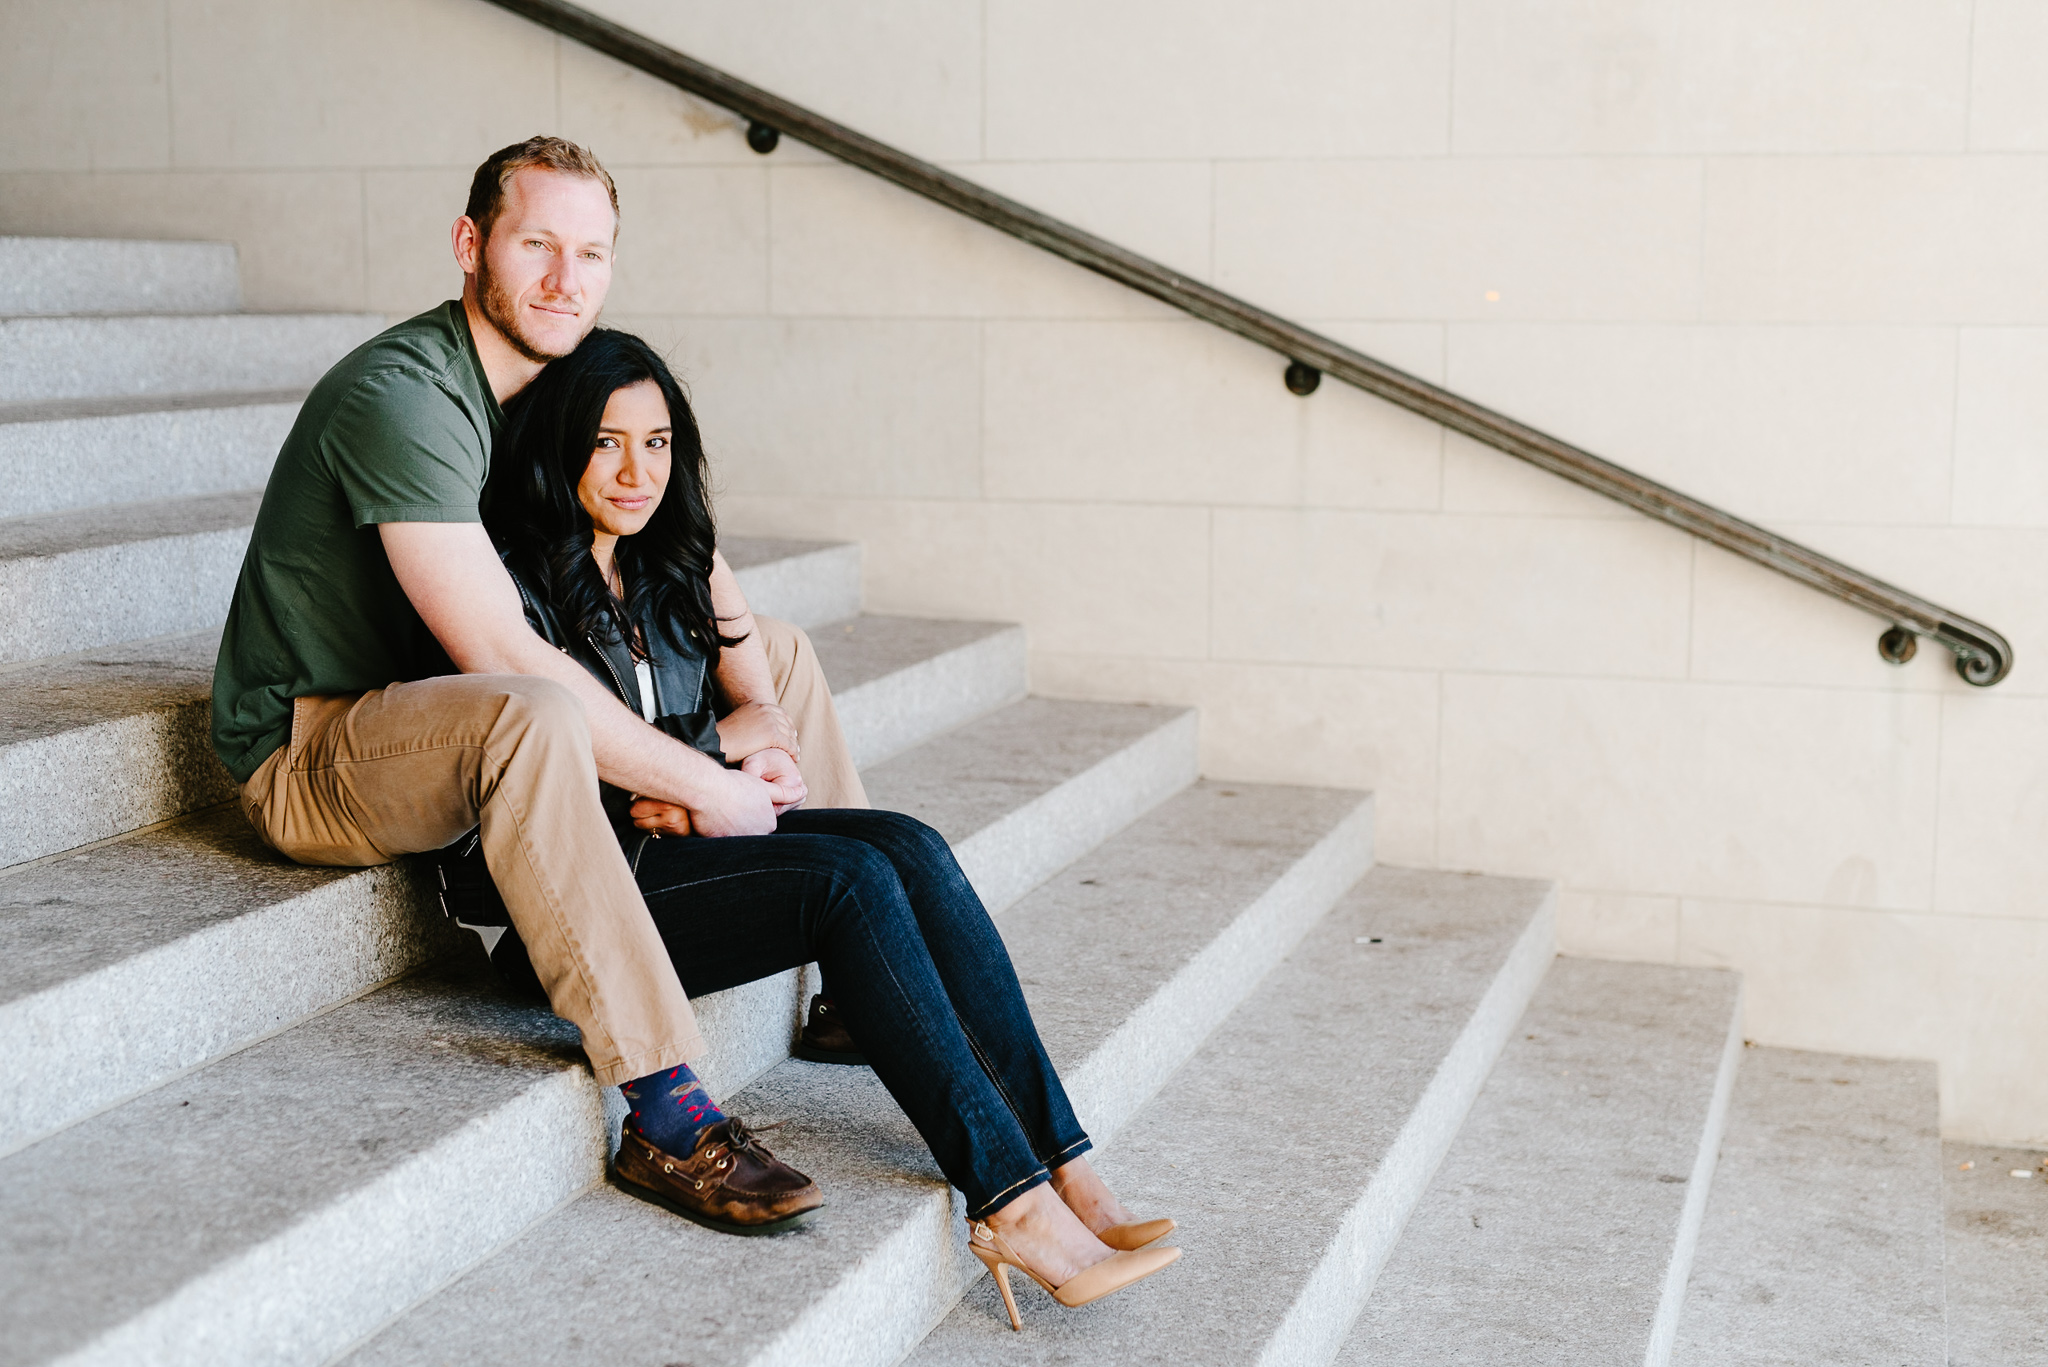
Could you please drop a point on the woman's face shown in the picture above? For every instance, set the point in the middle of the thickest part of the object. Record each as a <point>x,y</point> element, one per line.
<point>628,470</point>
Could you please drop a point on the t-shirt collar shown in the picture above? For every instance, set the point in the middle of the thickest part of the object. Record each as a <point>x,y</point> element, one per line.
<point>476,364</point>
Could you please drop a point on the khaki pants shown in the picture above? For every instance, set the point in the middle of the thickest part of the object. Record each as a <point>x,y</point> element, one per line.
<point>827,765</point>
<point>399,770</point>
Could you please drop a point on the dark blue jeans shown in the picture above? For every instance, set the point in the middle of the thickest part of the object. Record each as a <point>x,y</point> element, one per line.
<point>911,960</point>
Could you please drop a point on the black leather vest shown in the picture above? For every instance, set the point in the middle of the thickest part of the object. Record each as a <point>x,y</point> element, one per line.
<point>685,693</point>
<point>686,708</point>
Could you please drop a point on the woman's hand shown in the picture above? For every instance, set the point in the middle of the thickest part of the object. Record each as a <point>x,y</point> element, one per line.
<point>778,767</point>
<point>661,818</point>
<point>756,726</point>
<point>767,780</point>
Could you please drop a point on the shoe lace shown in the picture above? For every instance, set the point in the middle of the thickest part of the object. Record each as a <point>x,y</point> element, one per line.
<point>743,1138</point>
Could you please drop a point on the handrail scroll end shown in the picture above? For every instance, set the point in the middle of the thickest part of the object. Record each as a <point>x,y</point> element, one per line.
<point>1983,657</point>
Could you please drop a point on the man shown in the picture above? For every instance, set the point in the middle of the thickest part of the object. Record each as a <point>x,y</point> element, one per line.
<point>370,582</point>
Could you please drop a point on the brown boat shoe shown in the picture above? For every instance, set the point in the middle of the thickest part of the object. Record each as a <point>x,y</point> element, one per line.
<point>825,1038</point>
<point>729,1182</point>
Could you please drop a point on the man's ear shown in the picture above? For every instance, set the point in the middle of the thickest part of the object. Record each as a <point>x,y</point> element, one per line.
<point>467,242</point>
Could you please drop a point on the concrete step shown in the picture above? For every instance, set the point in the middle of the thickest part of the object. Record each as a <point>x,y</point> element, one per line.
<point>92,577</point>
<point>79,580</point>
<point>98,744</point>
<point>108,741</point>
<point>1294,1144</point>
<point>1129,957</point>
<point>809,583</point>
<point>183,942</point>
<point>279,1203</point>
<point>1026,791</point>
<point>303,1189</point>
<point>128,355</point>
<point>1563,1221</point>
<point>176,945</point>
<point>1823,1234</point>
<point>899,680</point>
<point>51,275</point>
<point>115,737</point>
<point>1996,1247</point>
<point>84,453</point>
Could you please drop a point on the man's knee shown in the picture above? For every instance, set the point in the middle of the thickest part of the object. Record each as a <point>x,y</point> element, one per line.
<point>535,717</point>
<point>537,702</point>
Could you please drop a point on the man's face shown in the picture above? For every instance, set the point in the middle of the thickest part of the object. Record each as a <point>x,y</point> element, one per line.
<point>543,273</point>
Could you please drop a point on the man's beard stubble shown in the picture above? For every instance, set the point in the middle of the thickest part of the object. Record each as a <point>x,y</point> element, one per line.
<point>503,312</point>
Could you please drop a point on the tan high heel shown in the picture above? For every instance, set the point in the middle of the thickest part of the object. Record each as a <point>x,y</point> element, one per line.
<point>1132,1235</point>
<point>1113,1273</point>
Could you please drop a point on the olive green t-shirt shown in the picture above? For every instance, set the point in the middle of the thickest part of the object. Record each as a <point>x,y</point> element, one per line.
<point>399,431</point>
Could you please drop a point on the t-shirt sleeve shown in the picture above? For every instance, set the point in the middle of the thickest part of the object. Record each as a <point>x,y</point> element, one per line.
<point>403,450</point>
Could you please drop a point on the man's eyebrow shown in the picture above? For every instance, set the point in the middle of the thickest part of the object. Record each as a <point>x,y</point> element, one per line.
<point>605,243</point>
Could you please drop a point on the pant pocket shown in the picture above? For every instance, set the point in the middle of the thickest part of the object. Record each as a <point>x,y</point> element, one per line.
<point>283,801</point>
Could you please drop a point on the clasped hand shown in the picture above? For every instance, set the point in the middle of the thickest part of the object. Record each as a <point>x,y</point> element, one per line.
<point>755,726</point>
<point>748,800</point>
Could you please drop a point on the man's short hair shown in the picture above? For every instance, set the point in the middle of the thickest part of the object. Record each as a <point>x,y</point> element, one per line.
<point>487,187</point>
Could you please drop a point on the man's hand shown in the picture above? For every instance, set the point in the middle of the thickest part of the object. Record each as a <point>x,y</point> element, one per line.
<point>750,798</point>
<point>756,726</point>
<point>452,576</point>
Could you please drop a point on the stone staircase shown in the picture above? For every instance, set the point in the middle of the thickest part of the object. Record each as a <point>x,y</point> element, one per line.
<point>256,1113</point>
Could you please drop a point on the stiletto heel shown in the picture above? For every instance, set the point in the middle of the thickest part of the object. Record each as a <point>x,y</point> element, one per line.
<point>1001,1272</point>
<point>1112,1274</point>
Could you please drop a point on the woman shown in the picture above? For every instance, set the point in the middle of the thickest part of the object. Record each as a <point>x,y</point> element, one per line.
<point>597,501</point>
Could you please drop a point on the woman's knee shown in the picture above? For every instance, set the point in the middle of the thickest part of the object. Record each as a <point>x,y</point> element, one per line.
<point>905,835</point>
<point>864,885</point>
<point>867,870</point>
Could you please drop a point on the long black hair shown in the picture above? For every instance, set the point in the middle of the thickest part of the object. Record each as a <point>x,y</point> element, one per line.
<point>531,510</point>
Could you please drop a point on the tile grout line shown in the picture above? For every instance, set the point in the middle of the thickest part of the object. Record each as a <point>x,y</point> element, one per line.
<point>1934,831</point>
<point>1451,88</point>
<point>1955,418</point>
<point>1970,82</point>
<point>1692,604</point>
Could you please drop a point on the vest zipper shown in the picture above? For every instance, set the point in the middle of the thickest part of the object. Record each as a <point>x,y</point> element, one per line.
<point>617,683</point>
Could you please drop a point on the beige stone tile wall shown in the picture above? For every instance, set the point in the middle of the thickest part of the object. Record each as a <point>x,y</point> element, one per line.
<point>1785,254</point>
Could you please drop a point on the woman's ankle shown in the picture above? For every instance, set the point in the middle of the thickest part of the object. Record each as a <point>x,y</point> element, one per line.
<point>1040,1227</point>
<point>1082,1190</point>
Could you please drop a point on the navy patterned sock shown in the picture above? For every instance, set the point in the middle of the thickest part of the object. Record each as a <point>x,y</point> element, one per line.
<point>671,1109</point>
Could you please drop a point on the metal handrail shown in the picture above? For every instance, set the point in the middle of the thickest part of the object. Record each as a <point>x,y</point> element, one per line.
<point>1983,657</point>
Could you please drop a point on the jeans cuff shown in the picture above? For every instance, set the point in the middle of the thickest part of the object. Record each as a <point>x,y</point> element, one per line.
<point>1069,1153</point>
<point>1008,1194</point>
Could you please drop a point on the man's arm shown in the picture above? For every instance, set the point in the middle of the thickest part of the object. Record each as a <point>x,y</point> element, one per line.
<point>756,722</point>
<point>455,582</point>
